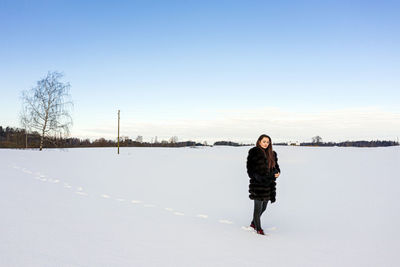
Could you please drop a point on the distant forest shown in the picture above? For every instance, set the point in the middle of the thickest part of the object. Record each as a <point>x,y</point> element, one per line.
<point>376,143</point>
<point>17,138</point>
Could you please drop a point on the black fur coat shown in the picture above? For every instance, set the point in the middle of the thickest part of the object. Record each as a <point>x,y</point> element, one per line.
<point>262,181</point>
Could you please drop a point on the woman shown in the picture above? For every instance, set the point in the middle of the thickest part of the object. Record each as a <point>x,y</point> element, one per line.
<point>263,169</point>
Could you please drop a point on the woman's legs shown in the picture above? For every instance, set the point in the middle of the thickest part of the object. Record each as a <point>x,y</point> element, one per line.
<point>264,206</point>
<point>259,208</point>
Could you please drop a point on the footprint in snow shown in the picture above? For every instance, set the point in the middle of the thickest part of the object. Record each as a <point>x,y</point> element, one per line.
<point>226,221</point>
<point>105,196</point>
<point>202,216</point>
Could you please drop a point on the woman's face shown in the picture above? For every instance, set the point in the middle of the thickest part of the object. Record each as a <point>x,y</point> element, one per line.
<point>264,143</point>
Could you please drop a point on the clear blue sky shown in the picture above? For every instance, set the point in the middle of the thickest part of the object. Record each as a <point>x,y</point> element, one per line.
<point>193,68</point>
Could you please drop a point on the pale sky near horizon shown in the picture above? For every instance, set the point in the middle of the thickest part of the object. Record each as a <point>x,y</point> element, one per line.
<point>210,70</point>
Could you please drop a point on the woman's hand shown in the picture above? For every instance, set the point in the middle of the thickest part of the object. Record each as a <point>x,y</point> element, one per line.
<point>277,174</point>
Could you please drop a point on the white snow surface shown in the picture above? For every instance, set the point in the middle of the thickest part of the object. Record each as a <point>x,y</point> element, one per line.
<point>190,207</point>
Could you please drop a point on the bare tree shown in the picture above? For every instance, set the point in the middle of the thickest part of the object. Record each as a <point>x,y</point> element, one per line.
<point>317,139</point>
<point>173,139</point>
<point>139,139</point>
<point>47,106</point>
<point>124,138</point>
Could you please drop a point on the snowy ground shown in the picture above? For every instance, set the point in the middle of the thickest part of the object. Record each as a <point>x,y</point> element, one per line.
<point>190,207</point>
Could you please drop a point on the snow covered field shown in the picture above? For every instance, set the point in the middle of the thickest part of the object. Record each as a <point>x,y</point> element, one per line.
<point>190,207</point>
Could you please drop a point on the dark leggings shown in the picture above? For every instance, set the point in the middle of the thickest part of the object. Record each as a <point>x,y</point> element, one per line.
<point>259,208</point>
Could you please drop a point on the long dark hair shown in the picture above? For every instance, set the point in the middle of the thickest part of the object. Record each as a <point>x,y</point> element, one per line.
<point>269,154</point>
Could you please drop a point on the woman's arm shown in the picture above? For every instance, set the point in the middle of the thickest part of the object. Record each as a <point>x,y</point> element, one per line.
<point>277,165</point>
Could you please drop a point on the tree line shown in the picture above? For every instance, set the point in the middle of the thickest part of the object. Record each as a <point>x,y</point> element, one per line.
<point>375,143</point>
<point>20,138</point>
<point>317,141</point>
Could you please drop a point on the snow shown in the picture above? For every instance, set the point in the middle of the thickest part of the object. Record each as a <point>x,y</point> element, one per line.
<point>190,207</point>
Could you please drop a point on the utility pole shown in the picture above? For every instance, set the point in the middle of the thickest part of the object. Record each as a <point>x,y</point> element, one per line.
<point>118,131</point>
